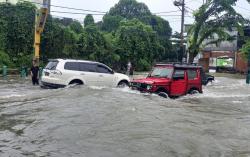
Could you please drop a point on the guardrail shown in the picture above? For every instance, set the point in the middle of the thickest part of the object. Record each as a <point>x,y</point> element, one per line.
<point>22,71</point>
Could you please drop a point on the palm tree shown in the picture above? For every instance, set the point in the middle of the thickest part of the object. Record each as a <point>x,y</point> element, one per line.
<point>214,18</point>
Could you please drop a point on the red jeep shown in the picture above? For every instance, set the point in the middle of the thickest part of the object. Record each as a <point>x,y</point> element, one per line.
<point>171,80</point>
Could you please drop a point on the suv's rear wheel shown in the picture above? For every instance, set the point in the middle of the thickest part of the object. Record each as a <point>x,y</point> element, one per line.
<point>76,82</point>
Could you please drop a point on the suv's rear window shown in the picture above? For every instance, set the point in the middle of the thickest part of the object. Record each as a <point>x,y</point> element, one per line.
<point>51,65</point>
<point>72,66</point>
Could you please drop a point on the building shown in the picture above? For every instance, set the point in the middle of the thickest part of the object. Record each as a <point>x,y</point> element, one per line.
<point>225,55</point>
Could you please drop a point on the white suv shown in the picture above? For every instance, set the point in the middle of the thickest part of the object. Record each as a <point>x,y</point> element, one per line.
<point>62,72</point>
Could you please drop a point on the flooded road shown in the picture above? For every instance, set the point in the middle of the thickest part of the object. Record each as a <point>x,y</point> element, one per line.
<point>103,122</point>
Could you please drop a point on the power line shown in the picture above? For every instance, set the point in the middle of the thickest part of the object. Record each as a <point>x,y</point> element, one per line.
<point>190,8</point>
<point>57,6</point>
<point>65,12</point>
<point>167,12</point>
<point>87,10</point>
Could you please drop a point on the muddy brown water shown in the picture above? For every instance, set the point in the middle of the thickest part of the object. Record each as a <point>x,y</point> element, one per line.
<point>104,122</point>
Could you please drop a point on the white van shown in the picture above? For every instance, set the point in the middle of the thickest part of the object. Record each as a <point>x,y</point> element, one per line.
<point>62,72</point>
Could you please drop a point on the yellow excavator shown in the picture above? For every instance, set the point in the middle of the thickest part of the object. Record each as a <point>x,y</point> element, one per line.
<point>41,18</point>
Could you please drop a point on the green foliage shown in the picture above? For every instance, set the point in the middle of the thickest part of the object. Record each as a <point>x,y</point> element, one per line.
<point>17,29</point>
<point>129,32</point>
<point>137,41</point>
<point>93,45</point>
<point>89,20</point>
<point>246,49</point>
<point>216,17</point>
<point>129,9</point>
<point>69,43</point>
<point>4,59</point>
<point>52,39</point>
<point>76,27</point>
<point>111,23</point>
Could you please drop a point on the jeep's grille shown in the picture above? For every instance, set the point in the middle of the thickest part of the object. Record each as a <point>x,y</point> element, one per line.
<point>139,86</point>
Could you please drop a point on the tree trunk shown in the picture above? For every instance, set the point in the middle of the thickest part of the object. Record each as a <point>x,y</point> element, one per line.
<point>191,57</point>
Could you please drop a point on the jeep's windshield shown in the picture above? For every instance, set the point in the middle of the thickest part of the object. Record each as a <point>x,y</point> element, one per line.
<point>162,72</point>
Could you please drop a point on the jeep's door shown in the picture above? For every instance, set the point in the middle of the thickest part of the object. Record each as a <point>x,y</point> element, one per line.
<point>179,83</point>
<point>194,79</point>
<point>105,75</point>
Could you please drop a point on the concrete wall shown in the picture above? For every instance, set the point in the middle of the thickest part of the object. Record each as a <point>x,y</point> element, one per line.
<point>241,64</point>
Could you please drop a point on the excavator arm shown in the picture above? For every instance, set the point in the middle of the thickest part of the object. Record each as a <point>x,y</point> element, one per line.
<point>41,18</point>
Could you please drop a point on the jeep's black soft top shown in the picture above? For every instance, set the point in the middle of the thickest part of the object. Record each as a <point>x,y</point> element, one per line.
<point>180,65</point>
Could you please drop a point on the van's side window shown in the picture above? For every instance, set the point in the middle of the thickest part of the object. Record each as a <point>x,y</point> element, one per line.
<point>179,75</point>
<point>88,67</point>
<point>192,74</point>
<point>72,66</point>
<point>103,69</point>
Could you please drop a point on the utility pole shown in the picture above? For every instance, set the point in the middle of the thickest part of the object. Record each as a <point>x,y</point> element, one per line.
<point>47,4</point>
<point>181,3</point>
<point>182,30</point>
<point>204,1</point>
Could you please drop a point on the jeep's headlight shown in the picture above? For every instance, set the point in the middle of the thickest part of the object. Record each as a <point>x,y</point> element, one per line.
<point>149,87</point>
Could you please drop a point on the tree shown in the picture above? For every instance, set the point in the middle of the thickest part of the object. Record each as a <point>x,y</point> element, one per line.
<point>246,49</point>
<point>92,44</point>
<point>215,18</point>
<point>4,59</point>
<point>59,40</point>
<point>89,20</point>
<point>52,39</point>
<point>69,43</point>
<point>76,27</point>
<point>17,30</point>
<point>137,43</point>
<point>129,9</point>
<point>111,23</point>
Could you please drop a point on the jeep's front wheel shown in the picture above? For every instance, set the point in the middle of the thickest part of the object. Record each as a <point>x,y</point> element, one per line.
<point>163,94</point>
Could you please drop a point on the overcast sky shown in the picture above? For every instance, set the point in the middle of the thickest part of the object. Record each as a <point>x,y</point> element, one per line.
<point>154,5</point>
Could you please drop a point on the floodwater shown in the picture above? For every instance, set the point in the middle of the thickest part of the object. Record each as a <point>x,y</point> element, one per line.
<point>104,122</point>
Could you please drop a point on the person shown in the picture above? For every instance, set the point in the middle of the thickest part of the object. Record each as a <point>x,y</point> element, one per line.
<point>128,67</point>
<point>34,72</point>
<point>131,72</point>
